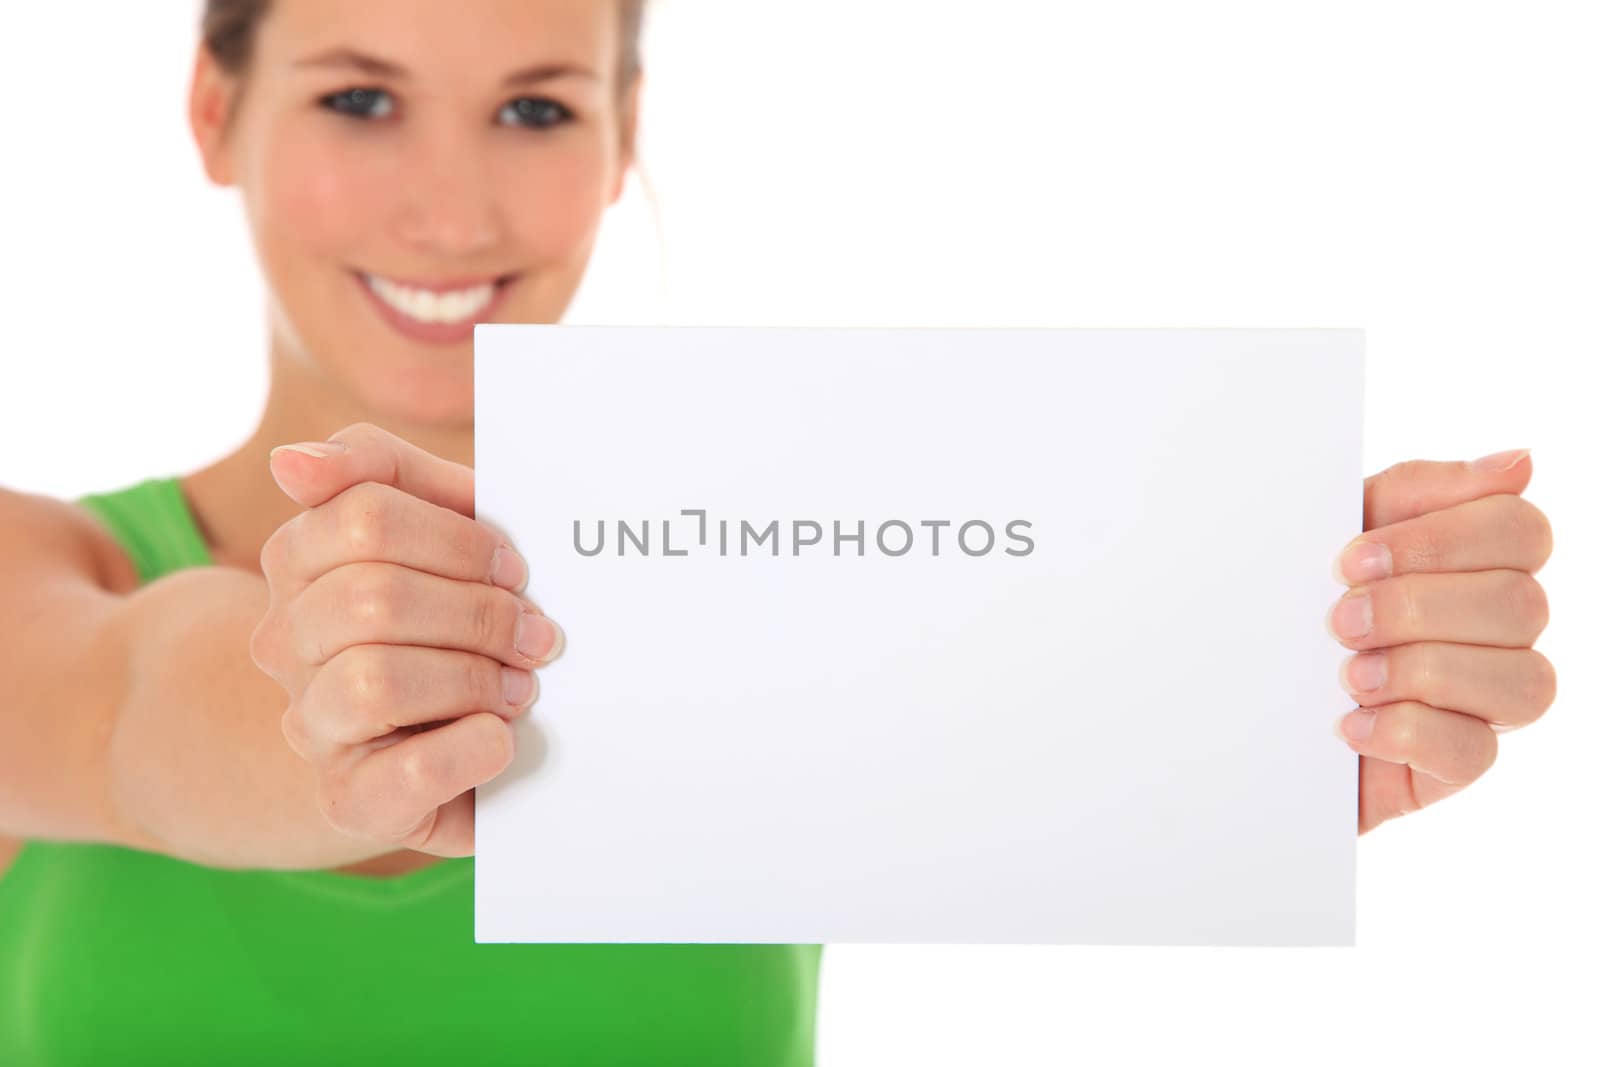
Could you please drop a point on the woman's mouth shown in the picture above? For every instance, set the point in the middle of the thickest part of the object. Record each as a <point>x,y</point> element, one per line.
<point>436,312</point>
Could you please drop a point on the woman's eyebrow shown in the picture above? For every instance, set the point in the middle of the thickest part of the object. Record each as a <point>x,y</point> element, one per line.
<point>349,57</point>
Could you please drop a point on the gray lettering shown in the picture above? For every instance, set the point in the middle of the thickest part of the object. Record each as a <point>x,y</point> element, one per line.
<point>746,530</point>
<point>624,532</point>
<point>1019,537</point>
<point>577,542</point>
<point>859,537</point>
<point>666,540</point>
<point>702,513</point>
<point>961,537</point>
<point>817,526</point>
<point>885,548</point>
<point>934,525</point>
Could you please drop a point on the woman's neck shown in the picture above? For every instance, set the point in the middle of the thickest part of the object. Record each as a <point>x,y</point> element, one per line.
<point>236,502</point>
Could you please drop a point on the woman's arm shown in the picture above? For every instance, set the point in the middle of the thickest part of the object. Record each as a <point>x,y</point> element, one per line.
<point>135,716</point>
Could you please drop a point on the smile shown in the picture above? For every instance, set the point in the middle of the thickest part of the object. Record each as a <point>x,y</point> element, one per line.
<point>440,313</point>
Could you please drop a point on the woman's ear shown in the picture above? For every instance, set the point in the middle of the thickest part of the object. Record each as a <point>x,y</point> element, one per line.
<point>630,129</point>
<point>210,100</point>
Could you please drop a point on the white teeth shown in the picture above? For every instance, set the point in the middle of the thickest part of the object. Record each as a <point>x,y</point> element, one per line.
<point>427,306</point>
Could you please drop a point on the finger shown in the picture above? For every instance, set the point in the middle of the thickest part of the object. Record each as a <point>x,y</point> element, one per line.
<point>362,452</point>
<point>1506,608</point>
<point>1501,530</point>
<point>391,794</point>
<point>374,522</point>
<point>449,830</point>
<point>362,603</point>
<point>1418,486</point>
<point>1414,754</point>
<point>1506,686</point>
<point>367,691</point>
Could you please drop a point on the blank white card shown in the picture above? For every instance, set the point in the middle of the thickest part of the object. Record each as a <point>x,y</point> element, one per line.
<point>924,635</point>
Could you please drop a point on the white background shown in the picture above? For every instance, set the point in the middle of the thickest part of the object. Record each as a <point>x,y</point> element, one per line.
<point>1426,170</point>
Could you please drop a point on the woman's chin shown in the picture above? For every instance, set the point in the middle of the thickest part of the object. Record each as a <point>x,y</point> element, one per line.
<point>437,400</point>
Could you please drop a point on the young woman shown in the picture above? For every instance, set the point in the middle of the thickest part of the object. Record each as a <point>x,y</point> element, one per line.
<point>249,705</point>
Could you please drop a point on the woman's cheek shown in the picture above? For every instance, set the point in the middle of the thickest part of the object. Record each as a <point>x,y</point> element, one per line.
<point>324,195</point>
<point>555,203</point>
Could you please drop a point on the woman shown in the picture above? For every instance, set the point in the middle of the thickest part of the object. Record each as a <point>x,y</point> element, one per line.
<point>251,703</point>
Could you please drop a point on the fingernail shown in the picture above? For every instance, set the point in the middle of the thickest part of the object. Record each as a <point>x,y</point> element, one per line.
<point>508,569</point>
<point>538,637</point>
<point>1357,726</point>
<point>1351,616</point>
<point>1366,561</point>
<point>314,449</point>
<point>518,685</point>
<point>1499,461</point>
<point>1364,672</point>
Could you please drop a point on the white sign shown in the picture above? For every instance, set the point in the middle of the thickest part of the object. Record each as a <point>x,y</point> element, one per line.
<point>925,635</point>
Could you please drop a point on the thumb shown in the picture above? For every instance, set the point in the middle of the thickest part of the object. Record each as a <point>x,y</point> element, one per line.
<point>303,473</point>
<point>1419,486</point>
<point>312,472</point>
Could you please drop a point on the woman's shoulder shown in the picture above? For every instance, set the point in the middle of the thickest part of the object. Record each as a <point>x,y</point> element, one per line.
<point>40,533</point>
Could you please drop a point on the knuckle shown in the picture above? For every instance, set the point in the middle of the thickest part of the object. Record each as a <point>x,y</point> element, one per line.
<point>1426,546</point>
<point>1408,470</point>
<point>1407,478</point>
<point>1482,750</point>
<point>1527,600</point>
<point>492,753</point>
<point>421,768</point>
<point>1539,691</point>
<point>1491,750</point>
<point>1407,605</point>
<point>1402,728</point>
<point>278,549</point>
<point>337,805</point>
<point>368,684</point>
<point>472,540</point>
<point>1549,542</point>
<point>374,596</point>
<point>263,647</point>
<point>292,724</point>
<point>417,835</point>
<point>310,638</point>
<point>1533,529</point>
<point>481,681</point>
<point>364,520</point>
<point>494,617</point>
<point>1421,662</point>
<point>357,433</point>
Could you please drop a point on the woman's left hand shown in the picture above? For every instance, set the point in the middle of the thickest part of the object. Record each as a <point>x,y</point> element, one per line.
<point>1443,613</point>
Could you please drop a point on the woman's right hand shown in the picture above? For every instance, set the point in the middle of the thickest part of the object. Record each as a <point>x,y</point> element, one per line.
<point>397,628</point>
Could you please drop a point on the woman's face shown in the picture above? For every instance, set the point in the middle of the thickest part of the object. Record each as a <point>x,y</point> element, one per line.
<point>409,167</point>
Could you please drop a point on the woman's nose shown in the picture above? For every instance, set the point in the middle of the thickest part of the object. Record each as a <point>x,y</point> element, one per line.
<point>450,209</point>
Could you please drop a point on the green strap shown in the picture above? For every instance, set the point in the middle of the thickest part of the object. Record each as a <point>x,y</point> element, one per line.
<point>152,521</point>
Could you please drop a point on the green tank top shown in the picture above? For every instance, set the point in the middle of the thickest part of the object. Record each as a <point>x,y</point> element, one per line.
<point>114,955</point>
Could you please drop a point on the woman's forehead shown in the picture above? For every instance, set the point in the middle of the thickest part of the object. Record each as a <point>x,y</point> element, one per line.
<point>486,39</point>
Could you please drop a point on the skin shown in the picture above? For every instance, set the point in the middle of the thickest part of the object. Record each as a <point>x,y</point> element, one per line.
<point>440,183</point>
<point>1441,618</point>
<point>367,550</point>
<point>438,186</point>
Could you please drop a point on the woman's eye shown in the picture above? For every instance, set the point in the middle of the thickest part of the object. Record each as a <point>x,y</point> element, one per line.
<point>362,103</point>
<point>536,111</point>
<point>365,103</point>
